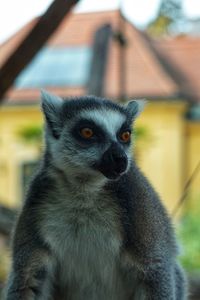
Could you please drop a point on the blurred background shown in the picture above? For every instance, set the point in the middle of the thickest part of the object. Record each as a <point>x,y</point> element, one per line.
<point>120,50</point>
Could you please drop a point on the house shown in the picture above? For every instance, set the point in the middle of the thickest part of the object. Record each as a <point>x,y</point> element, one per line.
<point>104,54</point>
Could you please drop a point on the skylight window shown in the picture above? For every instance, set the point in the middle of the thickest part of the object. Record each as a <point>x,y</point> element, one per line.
<point>57,67</point>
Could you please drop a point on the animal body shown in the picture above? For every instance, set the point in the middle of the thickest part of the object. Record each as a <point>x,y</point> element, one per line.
<point>92,227</point>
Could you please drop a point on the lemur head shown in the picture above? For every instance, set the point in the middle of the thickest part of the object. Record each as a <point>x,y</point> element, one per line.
<point>89,136</point>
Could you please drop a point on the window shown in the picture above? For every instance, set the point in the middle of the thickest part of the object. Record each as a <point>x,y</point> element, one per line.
<point>56,66</point>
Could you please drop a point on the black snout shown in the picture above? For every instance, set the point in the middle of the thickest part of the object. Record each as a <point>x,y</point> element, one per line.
<point>116,158</point>
<point>114,162</point>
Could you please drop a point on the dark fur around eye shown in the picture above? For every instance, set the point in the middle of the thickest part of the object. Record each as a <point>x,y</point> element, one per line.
<point>98,136</point>
<point>125,127</point>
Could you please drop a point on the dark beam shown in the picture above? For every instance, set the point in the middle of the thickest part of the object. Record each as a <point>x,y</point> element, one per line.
<point>34,41</point>
<point>102,38</point>
<point>122,58</point>
<point>7,219</point>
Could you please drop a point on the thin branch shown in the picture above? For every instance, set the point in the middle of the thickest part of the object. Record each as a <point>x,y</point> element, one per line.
<point>186,189</point>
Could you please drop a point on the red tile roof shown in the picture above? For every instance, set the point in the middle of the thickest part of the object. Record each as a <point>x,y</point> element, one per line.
<point>145,73</point>
<point>8,47</point>
<point>183,56</point>
<point>144,76</point>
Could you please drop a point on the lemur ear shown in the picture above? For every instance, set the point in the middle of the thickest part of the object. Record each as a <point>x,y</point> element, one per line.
<point>135,107</point>
<point>51,106</point>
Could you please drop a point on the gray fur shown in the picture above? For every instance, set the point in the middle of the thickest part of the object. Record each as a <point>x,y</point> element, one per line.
<point>81,235</point>
<point>136,106</point>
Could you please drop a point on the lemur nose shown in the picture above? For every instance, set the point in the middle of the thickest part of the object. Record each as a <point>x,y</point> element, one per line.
<point>113,162</point>
<point>118,158</point>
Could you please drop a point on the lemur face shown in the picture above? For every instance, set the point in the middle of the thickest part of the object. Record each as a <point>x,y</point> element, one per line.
<point>89,135</point>
<point>102,139</point>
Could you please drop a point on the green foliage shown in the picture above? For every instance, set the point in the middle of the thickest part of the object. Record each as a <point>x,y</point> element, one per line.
<point>189,233</point>
<point>169,15</point>
<point>141,133</point>
<point>31,134</point>
<point>142,140</point>
<point>142,137</point>
<point>160,26</point>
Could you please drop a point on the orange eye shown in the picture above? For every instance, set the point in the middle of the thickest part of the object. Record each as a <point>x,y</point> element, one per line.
<point>125,136</point>
<point>87,133</point>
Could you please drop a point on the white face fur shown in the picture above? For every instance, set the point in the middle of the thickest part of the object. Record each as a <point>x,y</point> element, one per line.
<point>104,155</point>
<point>110,121</point>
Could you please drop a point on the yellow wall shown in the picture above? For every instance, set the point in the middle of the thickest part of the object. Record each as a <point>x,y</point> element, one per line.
<point>167,156</point>
<point>12,151</point>
<point>162,158</point>
<point>193,159</point>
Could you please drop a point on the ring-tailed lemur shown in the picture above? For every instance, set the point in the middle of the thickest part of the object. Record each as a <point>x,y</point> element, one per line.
<point>92,227</point>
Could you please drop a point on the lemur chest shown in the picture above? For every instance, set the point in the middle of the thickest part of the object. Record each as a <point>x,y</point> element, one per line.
<point>86,240</point>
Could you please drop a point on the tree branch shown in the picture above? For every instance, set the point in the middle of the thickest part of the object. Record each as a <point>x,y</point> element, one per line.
<point>28,48</point>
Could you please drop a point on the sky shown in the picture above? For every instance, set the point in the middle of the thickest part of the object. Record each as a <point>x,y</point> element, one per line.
<point>16,13</point>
